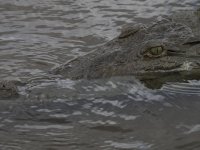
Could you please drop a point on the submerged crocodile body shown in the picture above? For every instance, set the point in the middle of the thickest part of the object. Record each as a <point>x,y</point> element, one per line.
<point>169,46</point>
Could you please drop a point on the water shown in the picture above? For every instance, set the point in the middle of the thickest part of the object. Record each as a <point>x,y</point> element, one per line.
<point>108,114</point>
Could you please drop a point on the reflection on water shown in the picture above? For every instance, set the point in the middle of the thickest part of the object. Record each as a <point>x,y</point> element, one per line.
<point>59,114</point>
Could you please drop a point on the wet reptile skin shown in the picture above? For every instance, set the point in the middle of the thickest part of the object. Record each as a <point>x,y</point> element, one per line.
<point>169,44</point>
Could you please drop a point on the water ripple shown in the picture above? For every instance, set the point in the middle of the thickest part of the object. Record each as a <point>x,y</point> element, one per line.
<point>191,87</point>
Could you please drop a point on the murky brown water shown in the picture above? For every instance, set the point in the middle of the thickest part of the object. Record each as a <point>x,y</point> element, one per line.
<point>108,114</point>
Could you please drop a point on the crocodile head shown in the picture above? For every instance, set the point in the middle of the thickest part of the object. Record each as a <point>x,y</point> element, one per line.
<point>165,48</point>
<point>169,47</point>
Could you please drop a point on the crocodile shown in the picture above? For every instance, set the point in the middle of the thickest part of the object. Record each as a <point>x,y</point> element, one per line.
<point>167,49</point>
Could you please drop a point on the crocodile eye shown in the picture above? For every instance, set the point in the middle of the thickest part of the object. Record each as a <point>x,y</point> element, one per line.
<point>155,51</point>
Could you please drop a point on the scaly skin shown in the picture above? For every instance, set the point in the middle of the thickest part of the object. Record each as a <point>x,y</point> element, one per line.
<point>169,45</point>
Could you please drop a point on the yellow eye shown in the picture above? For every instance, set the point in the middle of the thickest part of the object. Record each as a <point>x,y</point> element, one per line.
<point>156,51</point>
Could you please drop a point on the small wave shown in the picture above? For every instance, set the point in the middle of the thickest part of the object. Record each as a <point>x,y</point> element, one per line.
<point>43,127</point>
<point>190,87</point>
<point>133,145</point>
